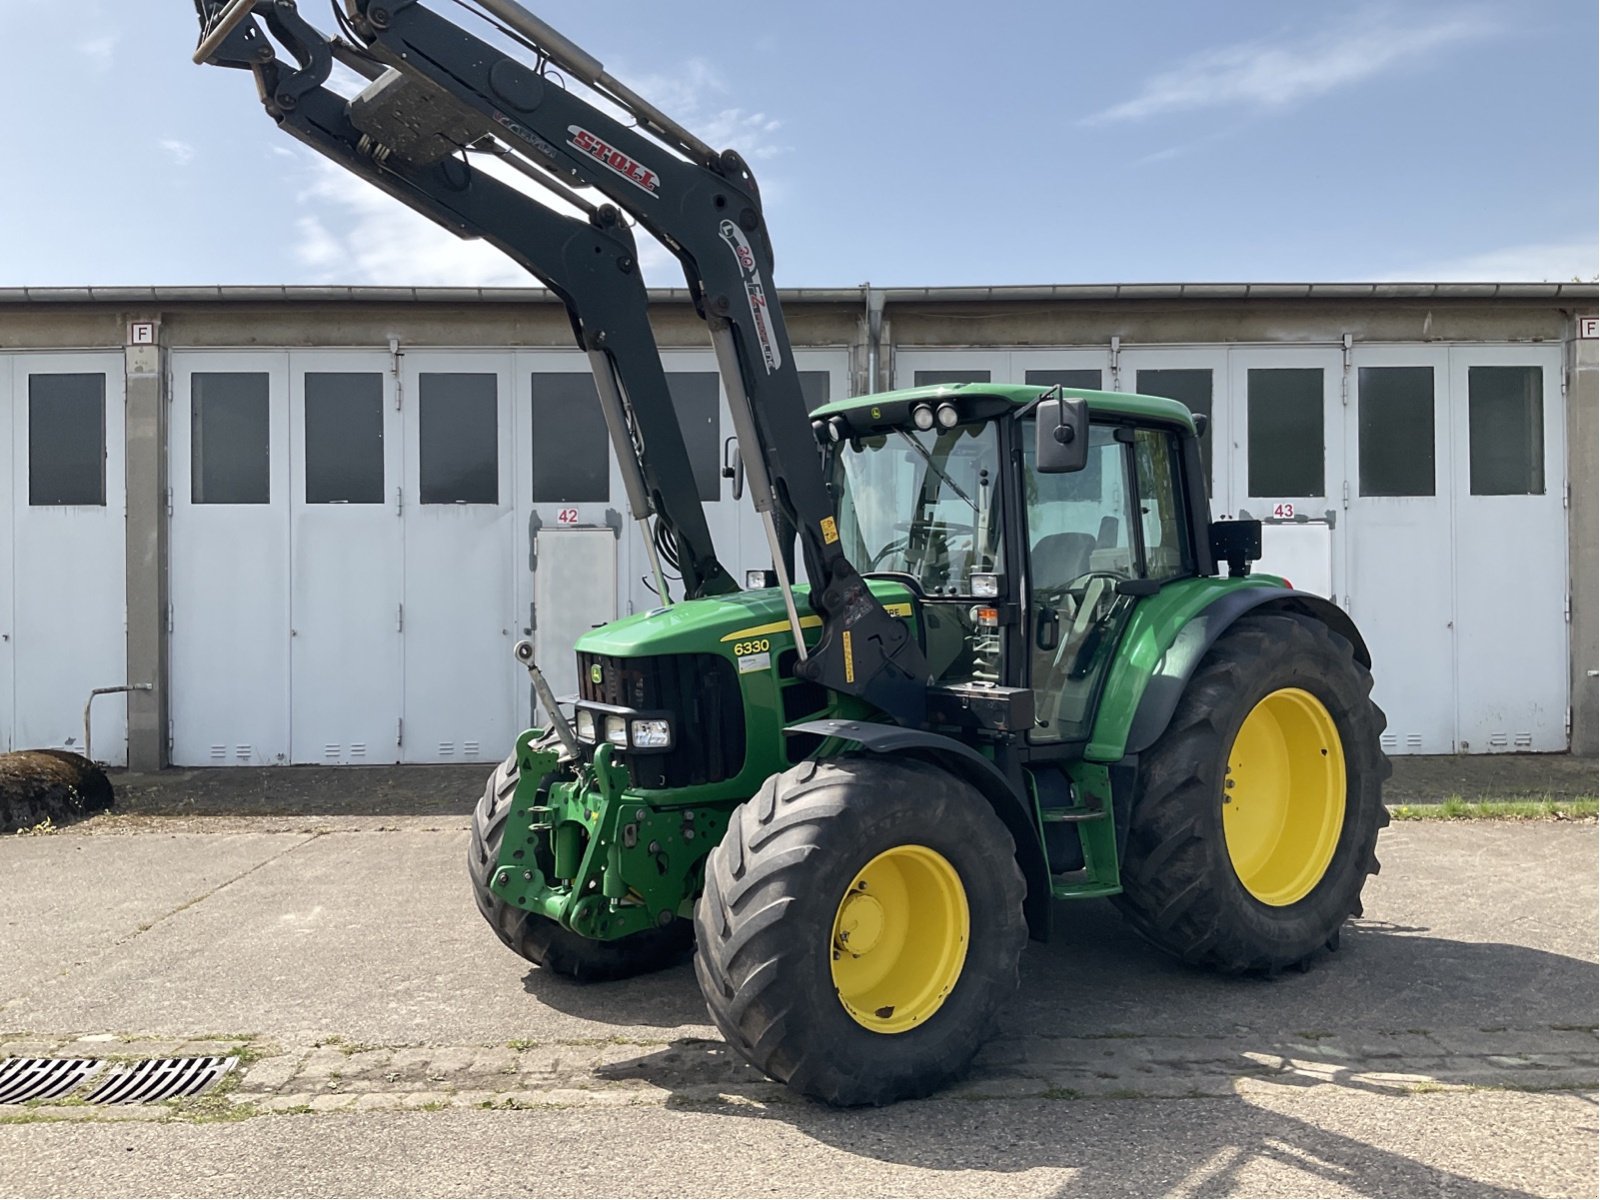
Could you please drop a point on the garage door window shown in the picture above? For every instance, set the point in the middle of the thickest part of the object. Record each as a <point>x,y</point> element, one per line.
<point>1088,378</point>
<point>344,438</point>
<point>67,440</point>
<point>694,395</point>
<point>458,438</point>
<point>1396,439</point>
<point>1190,387</point>
<point>923,378</point>
<point>571,447</point>
<point>816,387</point>
<point>1505,413</point>
<point>230,447</point>
<point>1286,448</point>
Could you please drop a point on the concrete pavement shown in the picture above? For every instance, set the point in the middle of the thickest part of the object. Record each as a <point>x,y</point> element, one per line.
<point>1448,1048</point>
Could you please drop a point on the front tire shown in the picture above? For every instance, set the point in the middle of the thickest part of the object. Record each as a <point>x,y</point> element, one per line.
<point>540,940</point>
<point>860,926</point>
<point>1257,812</point>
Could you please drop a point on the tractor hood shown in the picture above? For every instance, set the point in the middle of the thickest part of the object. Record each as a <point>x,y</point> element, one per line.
<point>718,623</point>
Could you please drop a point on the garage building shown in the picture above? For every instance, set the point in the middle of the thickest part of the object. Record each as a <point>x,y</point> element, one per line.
<point>308,524</point>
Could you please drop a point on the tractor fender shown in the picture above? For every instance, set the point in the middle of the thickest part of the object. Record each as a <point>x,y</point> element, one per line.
<point>1178,664</point>
<point>962,760</point>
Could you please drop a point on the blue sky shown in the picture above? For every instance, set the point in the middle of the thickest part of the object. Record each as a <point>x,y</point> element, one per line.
<point>931,143</point>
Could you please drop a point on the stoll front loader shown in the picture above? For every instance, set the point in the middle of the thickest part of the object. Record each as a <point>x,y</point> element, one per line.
<point>1015,673</point>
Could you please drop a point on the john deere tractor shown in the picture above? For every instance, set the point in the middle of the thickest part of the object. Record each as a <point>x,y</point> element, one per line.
<point>1026,666</point>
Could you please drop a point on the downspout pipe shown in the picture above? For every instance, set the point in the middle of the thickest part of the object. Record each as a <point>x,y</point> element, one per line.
<point>875,301</point>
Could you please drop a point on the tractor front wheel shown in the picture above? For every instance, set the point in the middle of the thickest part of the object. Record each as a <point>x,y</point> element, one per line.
<point>540,940</point>
<point>1253,829</point>
<point>861,923</point>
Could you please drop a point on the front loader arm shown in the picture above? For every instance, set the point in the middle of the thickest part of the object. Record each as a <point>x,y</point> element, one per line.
<point>706,208</point>
<point>592,266</point>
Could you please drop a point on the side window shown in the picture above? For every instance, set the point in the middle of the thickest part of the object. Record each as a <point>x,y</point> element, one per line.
<point>1155,457</point>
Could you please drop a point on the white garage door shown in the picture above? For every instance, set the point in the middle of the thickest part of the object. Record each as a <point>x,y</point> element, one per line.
<point>300,494</point>
<point>63,511</point>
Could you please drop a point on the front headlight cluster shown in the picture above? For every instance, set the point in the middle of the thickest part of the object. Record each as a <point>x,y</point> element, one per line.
<point>624,730</point>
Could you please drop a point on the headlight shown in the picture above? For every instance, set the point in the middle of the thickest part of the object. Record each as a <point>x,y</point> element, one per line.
<point>948,416</point>
<point>617,730</point>
<point>585,724</point>
<point>986,586</point>
<point>652,733</point>
<point>922,416</point>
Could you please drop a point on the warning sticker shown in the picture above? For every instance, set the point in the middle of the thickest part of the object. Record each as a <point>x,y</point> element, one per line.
<point>830,530</point>
<point>849,660</point>
<point>755,662</point>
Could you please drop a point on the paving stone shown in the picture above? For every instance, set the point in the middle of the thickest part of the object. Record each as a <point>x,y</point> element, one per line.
<point>270,1074</point>
<point>332,1103</point>
<point>292,1100</point>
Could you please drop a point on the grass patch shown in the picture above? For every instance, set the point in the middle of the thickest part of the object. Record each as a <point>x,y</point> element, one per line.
<point>1546,808</point>
<point>521,1044</point>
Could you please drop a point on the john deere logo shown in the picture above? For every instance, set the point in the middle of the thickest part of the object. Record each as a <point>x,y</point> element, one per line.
<point>594,673</point>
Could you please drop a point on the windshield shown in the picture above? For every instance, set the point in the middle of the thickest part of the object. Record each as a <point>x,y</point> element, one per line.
<point>922,502</point>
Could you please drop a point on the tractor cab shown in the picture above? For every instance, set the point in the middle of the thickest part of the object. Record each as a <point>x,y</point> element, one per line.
<point>1026,573</point>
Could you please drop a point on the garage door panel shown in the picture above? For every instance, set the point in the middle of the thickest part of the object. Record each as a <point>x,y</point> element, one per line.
<point>68,564</point>
<point>459,595</point>
<point>1511,566</point>
<point>348,556</point>
<point>230,583</point>
<point>8,474</point>
<point>1399,516</point>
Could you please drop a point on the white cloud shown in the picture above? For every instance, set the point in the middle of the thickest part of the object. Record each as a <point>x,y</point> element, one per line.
<point>1530,262</point>
<point>690,97</point>
<point>351,233</point>
<point>181,153</point>
<point>355,234</point>
<point>1266,74</point>
<point>99,50</point>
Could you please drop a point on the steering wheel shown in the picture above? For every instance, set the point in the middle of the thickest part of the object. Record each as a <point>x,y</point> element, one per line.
<point>1079,587</point>
<point>941,526</point>
<point>896,545</point>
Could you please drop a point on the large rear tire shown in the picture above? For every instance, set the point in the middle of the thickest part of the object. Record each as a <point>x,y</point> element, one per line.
<point>1257,812</point>
<point>860,926</point>
<point>540,940</point>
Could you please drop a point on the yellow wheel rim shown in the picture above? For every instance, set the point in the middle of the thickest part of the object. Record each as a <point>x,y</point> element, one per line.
<point>900,939</point>
<point>1283,798</point>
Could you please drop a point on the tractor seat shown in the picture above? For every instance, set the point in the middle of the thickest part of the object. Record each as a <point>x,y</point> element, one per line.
<point>1060,558</point>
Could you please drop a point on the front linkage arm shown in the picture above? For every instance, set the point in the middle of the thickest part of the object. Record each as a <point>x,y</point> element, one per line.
<point>706,209</point>
<point>401,136</point>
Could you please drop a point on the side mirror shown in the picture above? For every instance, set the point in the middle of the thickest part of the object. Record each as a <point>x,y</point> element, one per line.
<point>1061,435</point>
<point>733,466</point>
<point>1201,424</point>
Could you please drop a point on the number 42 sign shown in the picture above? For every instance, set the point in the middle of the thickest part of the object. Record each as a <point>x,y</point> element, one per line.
<point>567,516</point>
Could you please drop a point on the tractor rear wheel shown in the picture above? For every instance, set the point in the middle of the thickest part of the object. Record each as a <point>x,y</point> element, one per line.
<point>540,940</point>
<point>861,923</point>
<point>1257,811</point>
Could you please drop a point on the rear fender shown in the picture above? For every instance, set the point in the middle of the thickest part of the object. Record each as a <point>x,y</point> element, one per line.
<point>1171,676</point>
<point>960,759</point>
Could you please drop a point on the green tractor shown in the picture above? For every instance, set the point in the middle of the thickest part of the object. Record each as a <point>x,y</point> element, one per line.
<point>1108,718</point>
<point>1015,674</point>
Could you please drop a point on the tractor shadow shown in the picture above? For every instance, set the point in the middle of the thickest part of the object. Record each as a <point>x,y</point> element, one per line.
<point>1097,979</point>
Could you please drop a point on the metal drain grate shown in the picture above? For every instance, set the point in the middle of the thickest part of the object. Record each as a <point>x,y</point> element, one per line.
<point>24,1079</point>
<point>160,1079</point>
